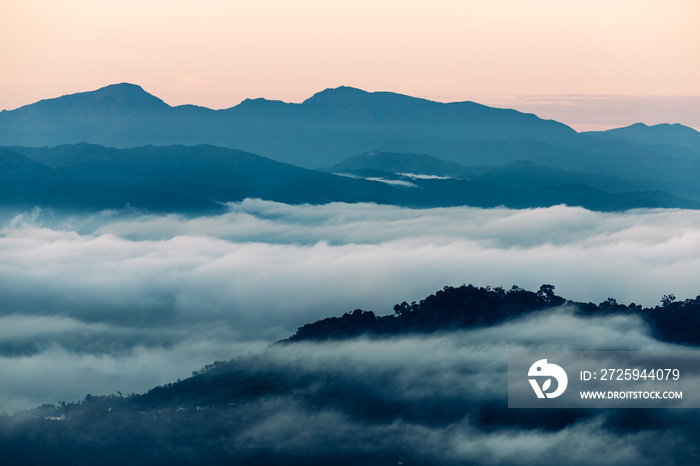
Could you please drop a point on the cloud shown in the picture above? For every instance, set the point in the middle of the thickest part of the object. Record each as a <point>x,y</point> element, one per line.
<point>59,359</point>
<point>427,399</point>
<point>116,286</point>
<point>460,443</point>
<point>433,399</point>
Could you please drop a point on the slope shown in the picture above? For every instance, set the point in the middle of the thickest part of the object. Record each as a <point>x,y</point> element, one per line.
<point>322,130</point>
<point>216,174</point>
<point>663,135</point>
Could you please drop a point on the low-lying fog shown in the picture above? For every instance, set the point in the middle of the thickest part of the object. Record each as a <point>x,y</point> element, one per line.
<point>122,302</point>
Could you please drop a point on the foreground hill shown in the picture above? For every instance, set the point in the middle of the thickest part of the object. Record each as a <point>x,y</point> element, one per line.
<point>470,306</point>
<point>363,389</point>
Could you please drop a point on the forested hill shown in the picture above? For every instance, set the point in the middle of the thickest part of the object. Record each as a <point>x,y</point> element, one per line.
<point>469,306</point>
<point>322,397</point>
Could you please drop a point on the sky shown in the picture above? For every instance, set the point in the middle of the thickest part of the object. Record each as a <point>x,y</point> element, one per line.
<point>105,303</point>
<point>591,63</point>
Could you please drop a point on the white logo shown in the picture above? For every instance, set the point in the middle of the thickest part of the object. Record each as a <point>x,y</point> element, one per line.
<point>542,369</point>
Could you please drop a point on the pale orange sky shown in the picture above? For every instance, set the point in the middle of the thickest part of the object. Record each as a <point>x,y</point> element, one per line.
<point>216,53</point>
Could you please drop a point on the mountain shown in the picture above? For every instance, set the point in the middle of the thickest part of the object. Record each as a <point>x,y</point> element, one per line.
<point>366,389</point>
<point>519,174</point>
<point>660,135</point>
<point>25,183</point>
<point>528,175</point>
<point>469,306</point>
<point>23,179</point>
<point>332,125</point>
<point>420,164</point>
<point>324,129</point>
<point>548,182</point>
<point>199,178</point>
<point>206,172</point>
<point>105,114</point>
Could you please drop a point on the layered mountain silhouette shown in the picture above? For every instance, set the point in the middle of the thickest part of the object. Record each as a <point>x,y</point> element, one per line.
<point>25,183</point>
<point>131,148</point>
<point>204,176</point>
<point>286,405</point>
<point>399,163</point>
<point>660,135</point>
<point>522,174</point>
<point>324,129</point>
<point>200,179</point>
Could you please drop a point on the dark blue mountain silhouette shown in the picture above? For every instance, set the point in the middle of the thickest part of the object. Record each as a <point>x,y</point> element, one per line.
<point>25,183</point>
<point>197,178</point>
<point>324,129</point>
<point>399,163</point>
<point>335,124</point>
<point>663,135</point>
<point>265,408</point>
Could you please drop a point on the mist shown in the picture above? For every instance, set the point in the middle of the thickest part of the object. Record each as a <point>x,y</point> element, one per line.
<point>441,399</point>
<point>416,399</point>
<point>122,301</point>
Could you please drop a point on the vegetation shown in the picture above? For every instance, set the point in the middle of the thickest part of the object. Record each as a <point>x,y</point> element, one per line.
<point>469,306</point>
<point>258,409</point>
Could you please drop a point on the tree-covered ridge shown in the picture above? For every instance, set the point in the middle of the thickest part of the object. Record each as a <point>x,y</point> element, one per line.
<point>470,306</point>
<point>352,401</point>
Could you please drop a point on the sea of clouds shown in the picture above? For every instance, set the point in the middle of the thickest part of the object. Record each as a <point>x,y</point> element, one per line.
<point>123,302</point>
<point>444,384</point>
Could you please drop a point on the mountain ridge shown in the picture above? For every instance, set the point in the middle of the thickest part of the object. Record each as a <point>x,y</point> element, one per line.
<point>662,134</point>
<point>337,123</point>
<point>130,96</point>
<point>154,177</point>
<point>328,126</point>
<point>304,394</point>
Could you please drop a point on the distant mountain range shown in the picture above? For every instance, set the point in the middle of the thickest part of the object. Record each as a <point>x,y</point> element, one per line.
<point>324,129</point>
<point>399,163</point>
<point>197,179</point>
<point>173,178</point>
<point>120,146</point>
<point>659,135</point>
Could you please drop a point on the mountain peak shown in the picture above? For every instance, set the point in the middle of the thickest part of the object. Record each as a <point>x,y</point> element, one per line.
<point>665,133</point>
<point>261,102</point>
<point>122,86</point>
<point>337,94</point>
<point>125,97</point>
<point>659,127</point>
<point>653,129</point>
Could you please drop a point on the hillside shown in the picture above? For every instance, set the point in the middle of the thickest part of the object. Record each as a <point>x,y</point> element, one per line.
<point>319,398</point>
<point>421,164</point>
<point>327,127</point>
<point>198,179</point>
<point>665,135</point>
<point>25,183</point>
